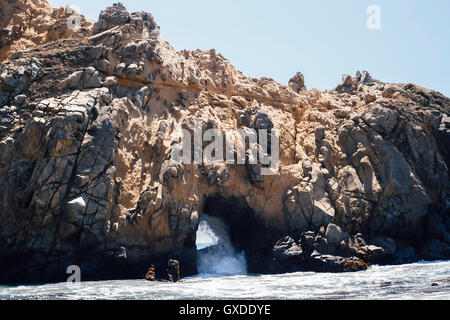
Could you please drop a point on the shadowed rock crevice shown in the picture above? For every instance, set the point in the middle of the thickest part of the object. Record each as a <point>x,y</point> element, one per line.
<point>246,231</point>
<point>239,217</point>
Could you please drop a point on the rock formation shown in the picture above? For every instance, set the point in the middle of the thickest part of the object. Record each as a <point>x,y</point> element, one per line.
<point>89,120</point>
<point>24,24</point>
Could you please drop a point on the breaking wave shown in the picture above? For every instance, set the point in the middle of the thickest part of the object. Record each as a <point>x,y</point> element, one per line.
<point>216,254</point>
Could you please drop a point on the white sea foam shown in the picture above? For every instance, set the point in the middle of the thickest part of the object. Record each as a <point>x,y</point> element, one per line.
<point>411,281</point>
<point>217,255</point>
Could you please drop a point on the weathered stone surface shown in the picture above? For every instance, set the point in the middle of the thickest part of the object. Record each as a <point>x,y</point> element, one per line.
<point>297,82</point>
<point>381,119</point>
<point>87,174</point>
<point>88,78</point>
<point>288,256</point>
<point>334,234</point>
<point>27,23</point>
<point>286,249</point>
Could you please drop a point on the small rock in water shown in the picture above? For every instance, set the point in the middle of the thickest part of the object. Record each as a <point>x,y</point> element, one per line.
<point>385,284</point>
<point>173,270</point>
<point>151,275</point>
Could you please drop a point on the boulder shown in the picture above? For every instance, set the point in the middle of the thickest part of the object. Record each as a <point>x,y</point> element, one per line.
<point>173,270</point>
<point>366,78</point>
<point>320,133</point>
<point>330,263</point>
<point>297,82</point>
<point>381,119</point>
<point>334,234</point>
<point>88,78</point>
<point>151,274</point>
<point>286,249</point>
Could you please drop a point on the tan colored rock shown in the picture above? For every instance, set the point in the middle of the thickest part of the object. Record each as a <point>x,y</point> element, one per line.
<point>25,24</point>
<point>86,167</point>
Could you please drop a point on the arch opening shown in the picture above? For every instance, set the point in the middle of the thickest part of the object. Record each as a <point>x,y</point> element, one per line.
<point>225,236</point>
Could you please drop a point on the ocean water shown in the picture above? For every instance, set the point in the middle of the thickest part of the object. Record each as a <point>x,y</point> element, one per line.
<point>223,275</point>
<point>413,281</point>
<point>216,255</point>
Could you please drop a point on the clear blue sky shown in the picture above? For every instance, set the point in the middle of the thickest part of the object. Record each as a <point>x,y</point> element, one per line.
<point>323,39</point>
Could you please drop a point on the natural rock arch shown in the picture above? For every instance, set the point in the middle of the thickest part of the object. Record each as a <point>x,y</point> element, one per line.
<point>89,159</point>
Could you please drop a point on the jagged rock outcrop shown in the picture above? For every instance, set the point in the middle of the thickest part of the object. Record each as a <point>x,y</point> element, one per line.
<point>27,23</point>
<point>88,127</point>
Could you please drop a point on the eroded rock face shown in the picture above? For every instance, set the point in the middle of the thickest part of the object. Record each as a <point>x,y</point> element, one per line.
<point>27,23</point>
<point>87,130</point>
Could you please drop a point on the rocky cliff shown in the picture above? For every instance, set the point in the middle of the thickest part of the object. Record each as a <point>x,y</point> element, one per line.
<point>24,24</point>
<point>89,119</point>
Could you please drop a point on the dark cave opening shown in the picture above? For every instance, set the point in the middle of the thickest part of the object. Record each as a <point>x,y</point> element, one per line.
<point>246,233</point>
<point>238,216</point>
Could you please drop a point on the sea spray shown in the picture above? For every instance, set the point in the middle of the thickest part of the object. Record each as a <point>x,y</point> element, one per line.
<point>216,254</point>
